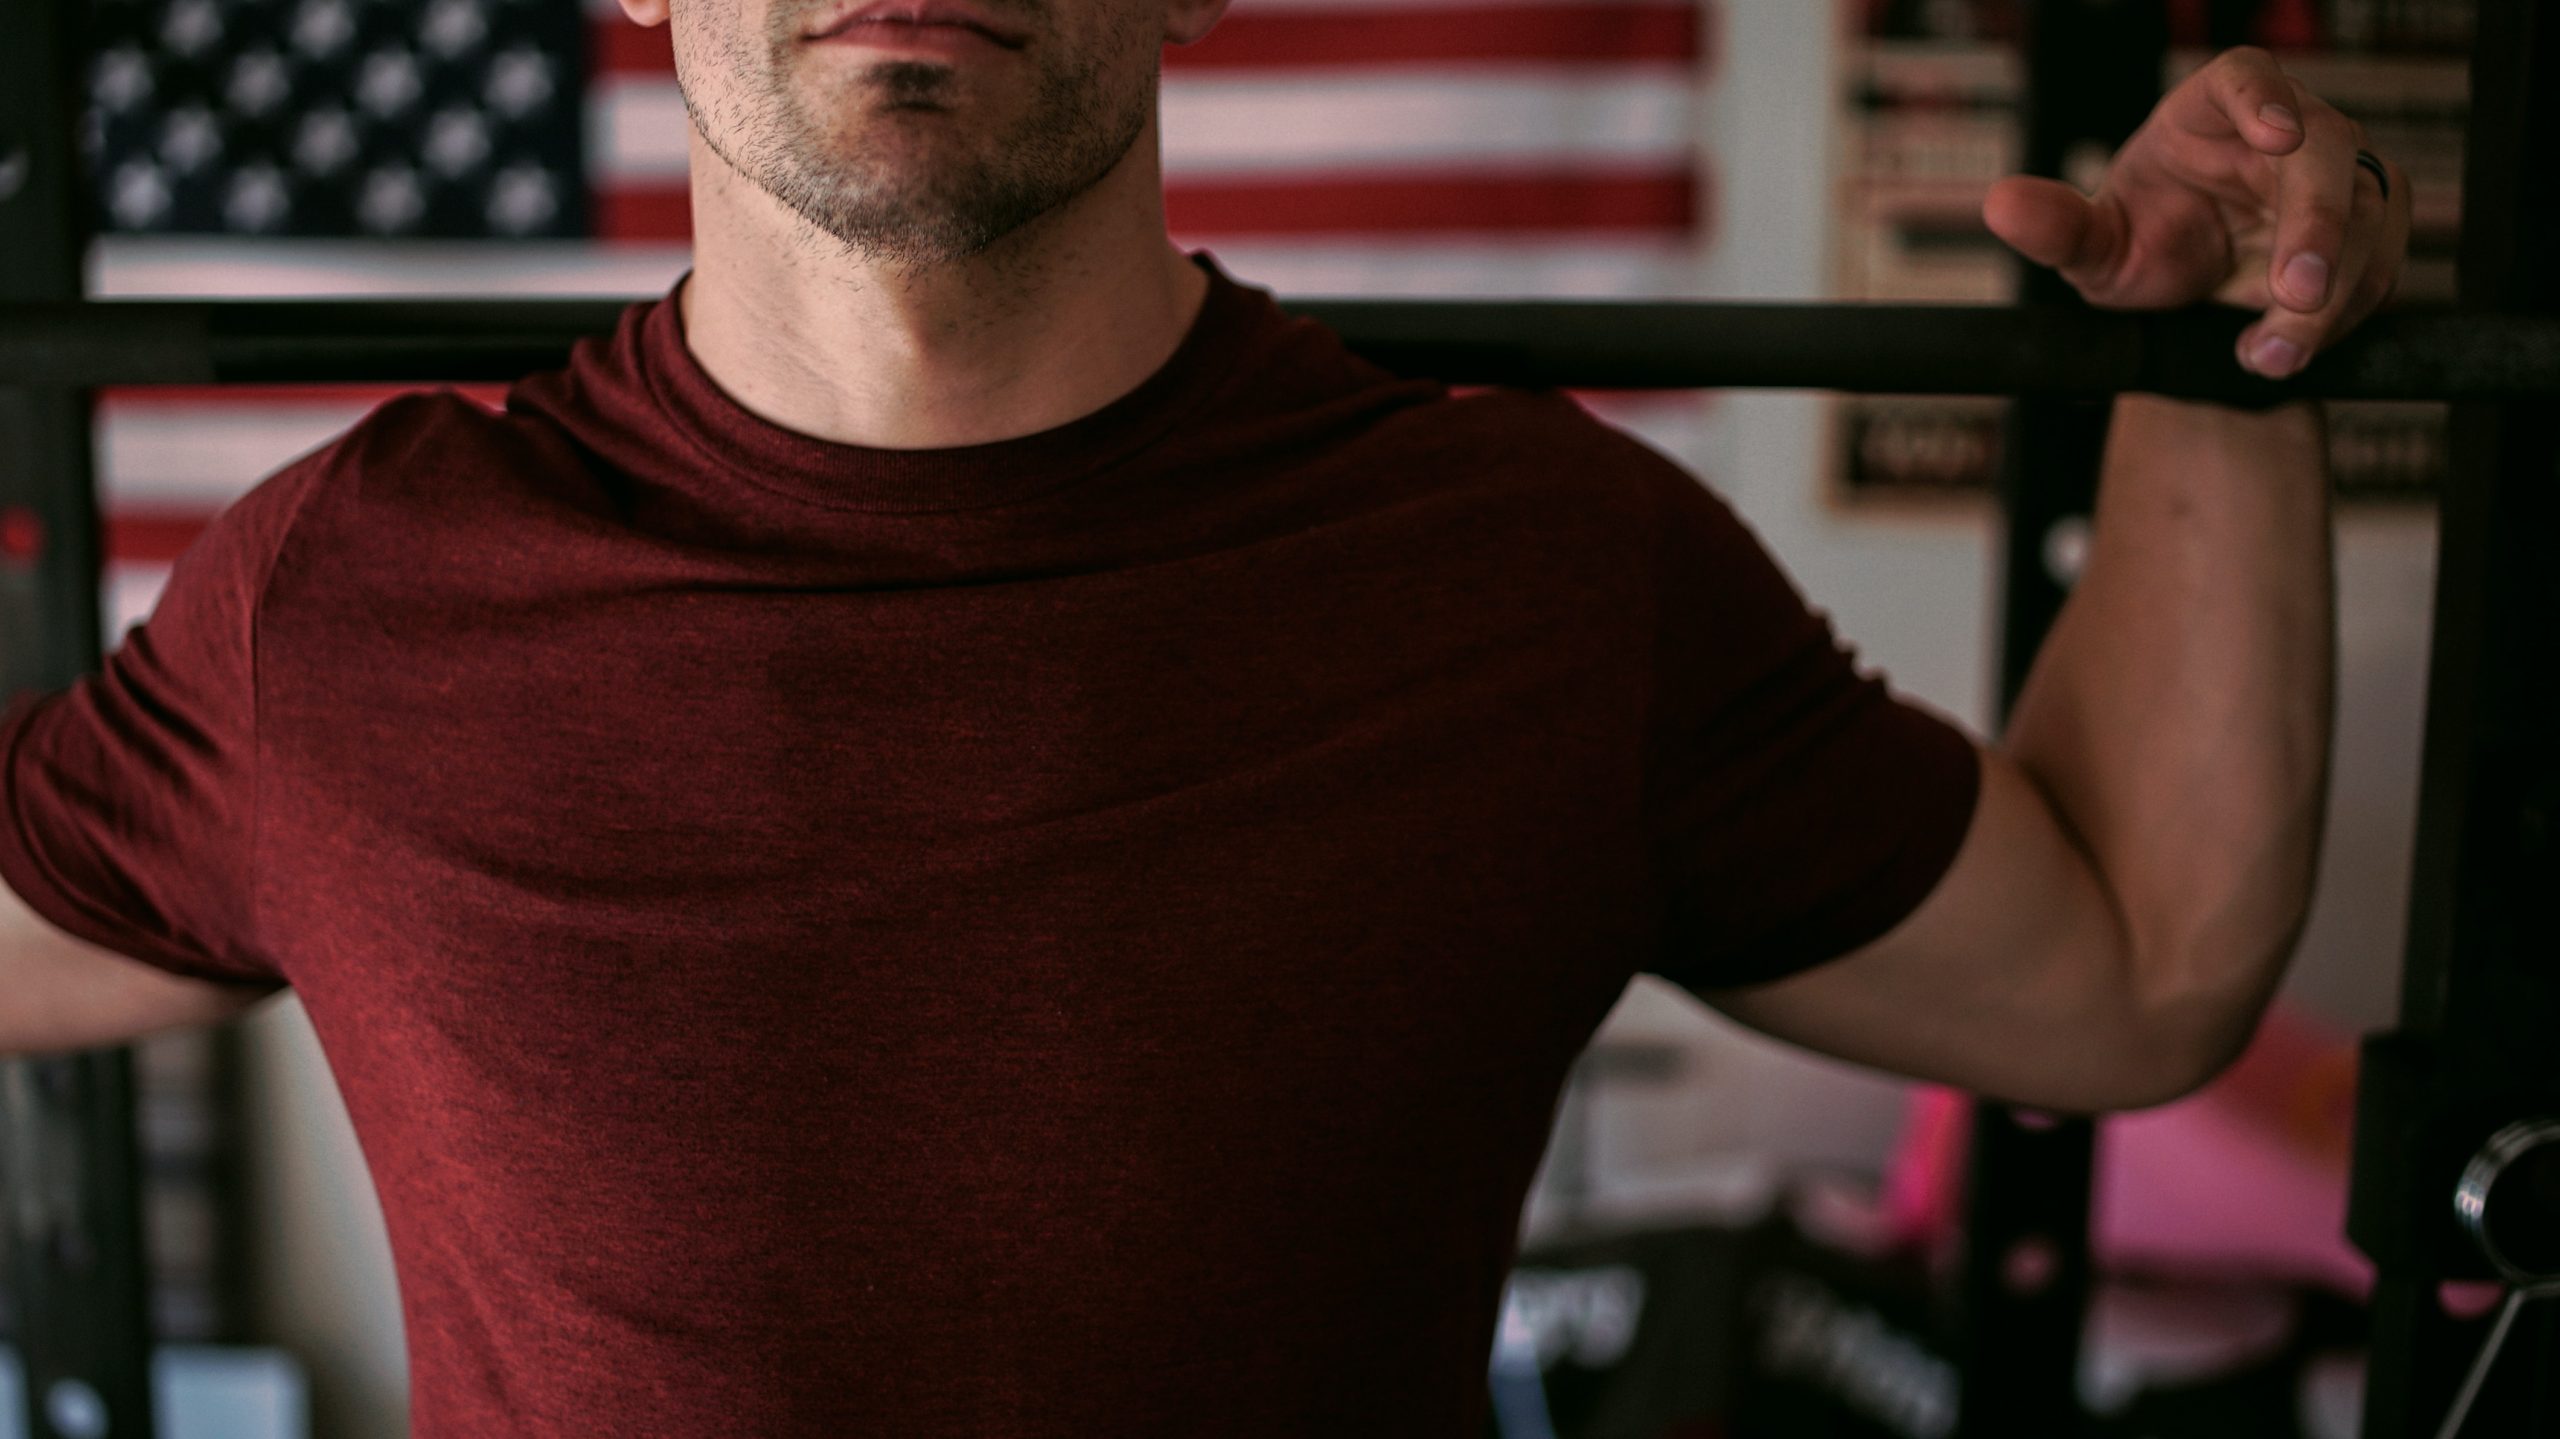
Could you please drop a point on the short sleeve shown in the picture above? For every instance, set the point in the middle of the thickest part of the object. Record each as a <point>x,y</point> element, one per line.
<point>128,800</point>
<point>1796,808</point>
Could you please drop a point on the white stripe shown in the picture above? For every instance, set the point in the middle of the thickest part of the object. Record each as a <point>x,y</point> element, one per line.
<point>636,131</point>
<point>1630,116</point>
<point>611,10</point>
<point>176,267</point>
<point>1497,269</point>
<point>127,591</point>
<point>1284,7</point>
<point>202,455</point>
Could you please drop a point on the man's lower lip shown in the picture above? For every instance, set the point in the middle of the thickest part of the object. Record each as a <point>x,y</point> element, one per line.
<point>921,39</point>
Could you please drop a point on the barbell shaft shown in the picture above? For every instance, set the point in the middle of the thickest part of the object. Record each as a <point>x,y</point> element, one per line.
<point>2409,353</point>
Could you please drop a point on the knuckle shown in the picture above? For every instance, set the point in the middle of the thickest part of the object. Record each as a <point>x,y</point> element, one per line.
<point>2323,218</point>
<point>2321,118</point>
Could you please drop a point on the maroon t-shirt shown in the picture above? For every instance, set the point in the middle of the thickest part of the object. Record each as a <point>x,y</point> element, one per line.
<point>1075,935</point>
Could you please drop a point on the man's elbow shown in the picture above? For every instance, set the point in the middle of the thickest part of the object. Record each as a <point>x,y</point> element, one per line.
<point>2195,1039</point>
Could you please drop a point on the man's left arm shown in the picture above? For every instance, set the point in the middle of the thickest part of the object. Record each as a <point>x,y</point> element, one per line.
<point>2140,861</point>
<point>2178,716</point>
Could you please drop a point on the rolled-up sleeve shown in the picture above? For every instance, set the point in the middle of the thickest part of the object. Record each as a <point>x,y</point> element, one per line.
<point>128,800</point>
<point>1797,808</point>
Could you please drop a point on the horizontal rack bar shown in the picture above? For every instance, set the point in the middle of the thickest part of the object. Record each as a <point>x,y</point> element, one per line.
<point>2412,353</point>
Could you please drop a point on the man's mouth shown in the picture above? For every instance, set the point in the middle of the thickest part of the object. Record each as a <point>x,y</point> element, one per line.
<point>907,22</point>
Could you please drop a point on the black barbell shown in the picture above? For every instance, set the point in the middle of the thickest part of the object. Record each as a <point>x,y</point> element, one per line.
<point>2407,353</point>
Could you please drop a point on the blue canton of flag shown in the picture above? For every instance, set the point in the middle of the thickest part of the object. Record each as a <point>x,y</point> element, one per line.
<point>453,119</point>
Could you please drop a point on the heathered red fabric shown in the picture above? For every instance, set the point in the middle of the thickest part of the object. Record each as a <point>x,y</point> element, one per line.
<point>1077,935</point>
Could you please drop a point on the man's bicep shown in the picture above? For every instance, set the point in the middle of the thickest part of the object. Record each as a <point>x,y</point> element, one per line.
<point>2011,979</point>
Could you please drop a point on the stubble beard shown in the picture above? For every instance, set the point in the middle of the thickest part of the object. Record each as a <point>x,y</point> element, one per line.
<point>915,189</point>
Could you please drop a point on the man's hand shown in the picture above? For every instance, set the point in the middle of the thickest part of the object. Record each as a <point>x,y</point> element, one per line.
<point>2242,187</point>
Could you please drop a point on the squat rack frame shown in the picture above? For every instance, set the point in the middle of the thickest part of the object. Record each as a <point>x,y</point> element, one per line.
<point>2481,999</point>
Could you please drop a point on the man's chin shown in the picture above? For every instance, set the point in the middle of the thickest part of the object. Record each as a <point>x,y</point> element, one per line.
<point>910,236</point>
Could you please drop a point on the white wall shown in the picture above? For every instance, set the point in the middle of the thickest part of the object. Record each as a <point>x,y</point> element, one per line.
<point>325,1290</point>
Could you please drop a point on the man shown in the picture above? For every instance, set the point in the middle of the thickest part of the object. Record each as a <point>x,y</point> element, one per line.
<point>965,828</point>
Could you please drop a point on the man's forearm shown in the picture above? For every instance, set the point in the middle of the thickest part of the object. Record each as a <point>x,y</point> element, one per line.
<point>2179,714</point>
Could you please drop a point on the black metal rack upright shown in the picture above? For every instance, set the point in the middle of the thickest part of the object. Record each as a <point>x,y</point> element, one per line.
<point>2478,1047</point>
<point>80,1274</point>
<point>2476,1052</point>
<point>2092,72</point>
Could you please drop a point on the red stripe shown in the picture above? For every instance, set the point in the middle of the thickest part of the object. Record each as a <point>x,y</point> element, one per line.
<point>1302,39</point>
<point>643,214</point>
<point>151,537</point>
<point>616,46</point>
<point>1559,35</point>
<point>1533,203</point>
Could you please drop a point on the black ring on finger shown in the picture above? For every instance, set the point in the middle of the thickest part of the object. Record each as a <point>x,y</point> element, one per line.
<point>2373,162</point>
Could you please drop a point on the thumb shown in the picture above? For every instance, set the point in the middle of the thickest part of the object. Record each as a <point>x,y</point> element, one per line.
<point>2047,221</point>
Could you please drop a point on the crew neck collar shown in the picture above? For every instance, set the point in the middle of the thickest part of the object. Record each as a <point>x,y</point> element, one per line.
<point>835,475</point>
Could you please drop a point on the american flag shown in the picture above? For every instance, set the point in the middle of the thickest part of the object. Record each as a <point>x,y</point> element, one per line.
<point>536,147</point>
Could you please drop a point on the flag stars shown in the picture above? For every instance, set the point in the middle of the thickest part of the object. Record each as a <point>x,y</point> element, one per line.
<point>519,82</point>
<point>353,117</point>
<point>258,83</point>
<point>388,83</point>
<point>256,199</point>
<point>325,142</point>
<point>191,27</point>
<point>457,141</point>
<point>453,27</point>
<point>138,195</point>
<point>120,79</point>
<point>392,199</point>
<point>321,28</point>
<point>522,199</point>
<point>189,140</point>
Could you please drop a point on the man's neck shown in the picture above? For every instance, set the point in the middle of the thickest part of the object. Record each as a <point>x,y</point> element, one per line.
<point>1023,338</point>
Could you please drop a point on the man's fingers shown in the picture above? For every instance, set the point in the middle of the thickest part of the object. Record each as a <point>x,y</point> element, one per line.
<point>2047,221</point>
<point>2245,93</point>
<point>2352,289</point>
<point>2315,187</point>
